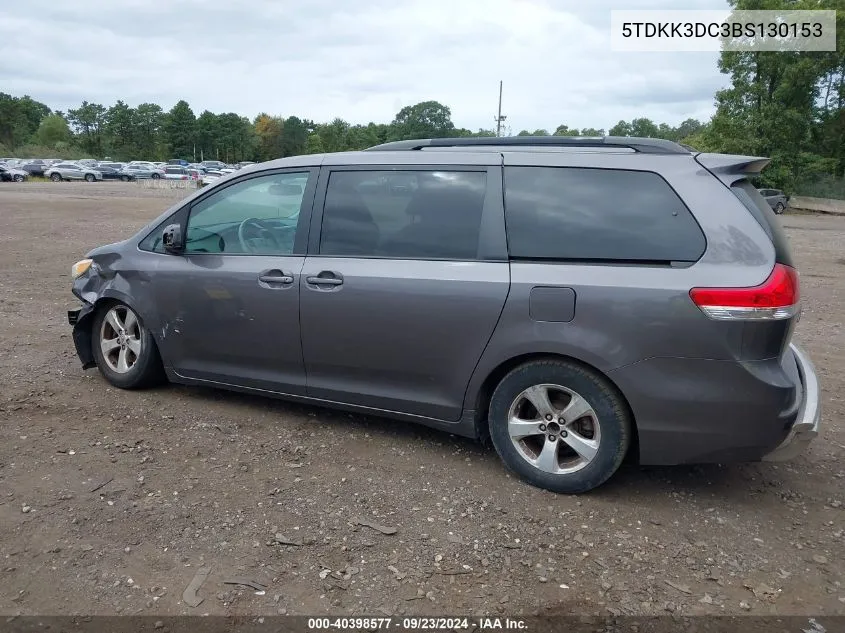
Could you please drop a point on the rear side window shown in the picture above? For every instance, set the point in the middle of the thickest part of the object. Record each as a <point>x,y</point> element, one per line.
<point>584,214</point>
<point>762,212</point>
<point>403,214</point>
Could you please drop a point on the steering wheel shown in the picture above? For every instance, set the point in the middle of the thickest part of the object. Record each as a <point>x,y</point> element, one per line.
<point>247,242</point>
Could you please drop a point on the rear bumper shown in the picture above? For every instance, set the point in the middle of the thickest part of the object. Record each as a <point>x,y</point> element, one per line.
<point>806,427</point>
<point>695,411</point>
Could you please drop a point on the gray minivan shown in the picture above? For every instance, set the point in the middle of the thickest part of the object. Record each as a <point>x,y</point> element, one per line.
<point>575,300</point>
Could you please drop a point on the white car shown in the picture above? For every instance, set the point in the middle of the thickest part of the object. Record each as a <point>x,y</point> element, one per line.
<point>12,174</point>
<point>211,176</point>
<point>72,171</point>
<point>175,172</point>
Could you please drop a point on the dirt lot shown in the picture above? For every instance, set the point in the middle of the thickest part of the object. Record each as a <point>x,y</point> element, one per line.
<point>110,501</point>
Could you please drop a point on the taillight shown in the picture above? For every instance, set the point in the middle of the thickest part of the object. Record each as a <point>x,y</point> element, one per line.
<point>776,298</point>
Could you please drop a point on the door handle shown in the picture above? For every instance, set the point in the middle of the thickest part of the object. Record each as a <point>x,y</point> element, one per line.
<point>275,277</point>
<point>324,281</point>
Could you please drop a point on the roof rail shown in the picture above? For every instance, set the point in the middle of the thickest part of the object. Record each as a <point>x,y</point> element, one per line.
<point>638,144</point>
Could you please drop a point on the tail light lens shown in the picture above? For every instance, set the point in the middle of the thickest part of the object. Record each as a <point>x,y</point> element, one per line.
<point>776,298</point>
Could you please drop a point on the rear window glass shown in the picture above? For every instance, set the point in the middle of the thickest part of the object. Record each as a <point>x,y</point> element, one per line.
<point>584,214</point>
<point>762,212</point>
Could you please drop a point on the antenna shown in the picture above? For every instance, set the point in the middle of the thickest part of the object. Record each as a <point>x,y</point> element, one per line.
<point>499,118</point>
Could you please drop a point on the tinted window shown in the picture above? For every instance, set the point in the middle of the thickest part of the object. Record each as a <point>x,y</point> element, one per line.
<point>255,216</point>
<point>766,218</point>
<point>403,214</point>
<point>597,214</point>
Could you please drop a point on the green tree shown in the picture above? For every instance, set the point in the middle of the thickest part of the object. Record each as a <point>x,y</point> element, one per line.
<point>120,129</point>
<point>19,119</point>
<point>314,144</point>
<point>180,130</point>
<point>534,133</point>
<point>428,119</point>
<point>88,120</point>
<point>147,122</point>
<point>207,133</point>
<point>622,128</point>
<point>294,136</point>
<point>52,131</point>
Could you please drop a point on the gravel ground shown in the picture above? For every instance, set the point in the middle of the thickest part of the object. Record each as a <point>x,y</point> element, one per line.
<point>111,502</point>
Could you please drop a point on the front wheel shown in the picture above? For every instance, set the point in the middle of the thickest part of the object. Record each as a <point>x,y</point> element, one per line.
<point>18,178</point>
<point>125,351</point>
<point>89,178</point>
<point>155,176</point>
<point>779,208</point>
<point>559,426</point>
<point>56,177</point>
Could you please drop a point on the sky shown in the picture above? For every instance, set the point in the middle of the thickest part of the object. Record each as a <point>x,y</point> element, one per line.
<point>361,60</point>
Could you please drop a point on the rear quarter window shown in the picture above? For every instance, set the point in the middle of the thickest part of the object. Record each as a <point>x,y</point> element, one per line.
<point>766,218</point>
<point>589,214</point>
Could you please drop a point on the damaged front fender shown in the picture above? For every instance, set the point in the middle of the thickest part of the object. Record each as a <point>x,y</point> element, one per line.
<point>82,319</point>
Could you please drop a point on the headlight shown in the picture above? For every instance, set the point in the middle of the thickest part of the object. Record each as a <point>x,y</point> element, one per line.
<point>80,268</point>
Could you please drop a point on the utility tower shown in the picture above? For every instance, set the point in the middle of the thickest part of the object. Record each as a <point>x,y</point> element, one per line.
<point>500,118</point>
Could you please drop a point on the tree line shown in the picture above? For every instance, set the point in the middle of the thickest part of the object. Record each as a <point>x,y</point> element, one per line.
<point>789,106</point>
<point>147,132</point>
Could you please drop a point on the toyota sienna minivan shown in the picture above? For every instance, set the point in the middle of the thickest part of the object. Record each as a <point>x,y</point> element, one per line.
<point>575,300</point>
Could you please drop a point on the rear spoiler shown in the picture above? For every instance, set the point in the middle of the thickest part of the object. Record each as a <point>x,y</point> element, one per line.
<point>732,167</point>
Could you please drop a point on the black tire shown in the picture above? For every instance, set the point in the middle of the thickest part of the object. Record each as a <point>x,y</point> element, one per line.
<point>155,176</point>
<point>18,178</point>
<point>779,208</point>
<point>147,369</point>
<point>612,414</point>
<point>56,177</point>
<point>125,178</point>
<point>89,178</point>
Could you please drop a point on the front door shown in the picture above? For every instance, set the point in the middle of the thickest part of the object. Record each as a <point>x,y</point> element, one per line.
<point>398,299</point>
<point>229,305</point>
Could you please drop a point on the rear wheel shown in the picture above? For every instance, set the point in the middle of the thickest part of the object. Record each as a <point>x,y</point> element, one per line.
<point>18,178</point>
<point>559,426</point>
<point>89,178</point>
<point>124,349</point>
<point>125,178</point>
<point>56,177</point>
<point>156,176</point>
<point>779,208</point>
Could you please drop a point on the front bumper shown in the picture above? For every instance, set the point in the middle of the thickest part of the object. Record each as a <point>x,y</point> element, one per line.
<point>806,426</point>
<point>80,319</point>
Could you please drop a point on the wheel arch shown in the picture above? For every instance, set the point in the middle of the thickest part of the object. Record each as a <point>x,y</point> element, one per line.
<point>83,331</point>
<point>495,376</point>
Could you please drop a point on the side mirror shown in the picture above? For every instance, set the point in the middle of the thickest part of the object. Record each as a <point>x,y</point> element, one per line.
<point>171,239</point>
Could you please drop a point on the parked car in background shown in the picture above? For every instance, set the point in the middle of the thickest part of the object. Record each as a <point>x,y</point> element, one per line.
<point>210,176</point>
<point>88,162</point>
<point>213,164</point>
<point>179,162</point>
<point>244,163</point>
<point>35,167</point>
<point>72,171</point>
<point>195,174</point>
<point>777,200</point>
<point>111,172</point>
<point>176,172</point>
<point>11,174</point>
<point>114,165</point>
<point>141,171</point>
<point>679,348</point>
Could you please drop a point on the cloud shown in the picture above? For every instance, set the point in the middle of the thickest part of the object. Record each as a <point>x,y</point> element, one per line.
<point>359,60</point>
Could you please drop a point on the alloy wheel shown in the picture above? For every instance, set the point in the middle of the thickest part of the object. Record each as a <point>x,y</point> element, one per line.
<point>554,428</point>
